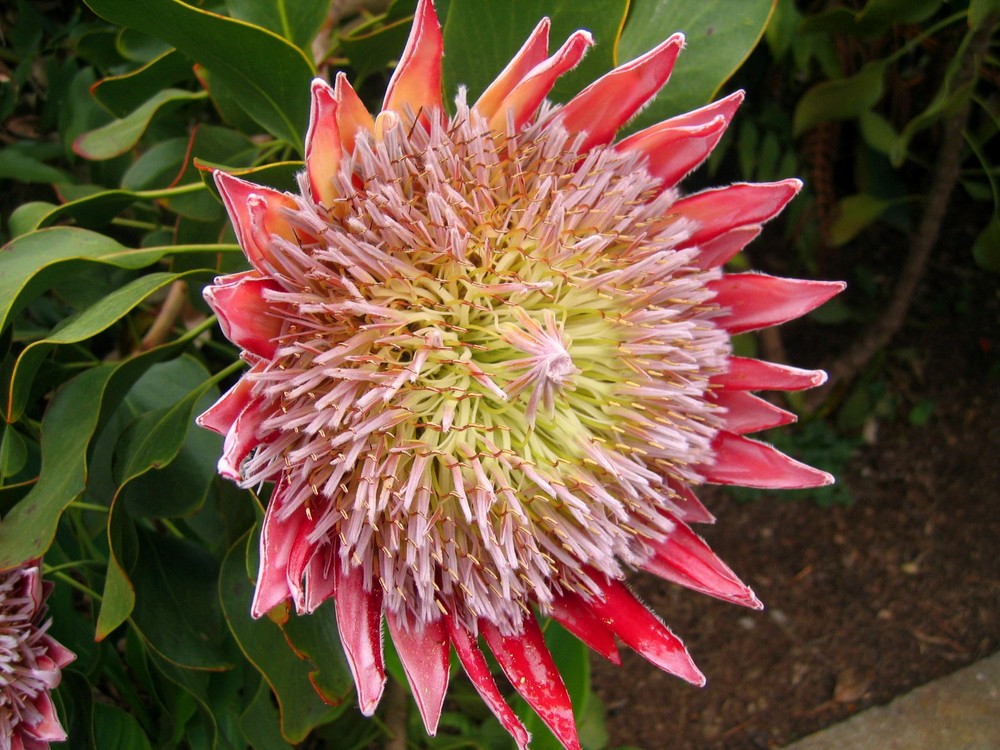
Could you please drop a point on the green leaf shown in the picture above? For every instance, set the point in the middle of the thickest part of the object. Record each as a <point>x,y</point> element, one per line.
<point>840,99</point>
<point>298,21</point>
<point>879,16</point>
<point>720,36</point>
<point>481,38</point>
<point>33,263</point>
<point>986,247</point>
<point>115,728</point>
<point>264,645</point>
<point>124,93</point>
<point>96,318</point>
<point>28,217</point>
<point>70,424</point>
<point>176,606</point>
<point>118,599</point>
<point>980,10</point>
<point>28,529</point>
<point>852,214</point>
<point>270,75</point>
<point>878,132</point>
<point>121,135</point>
<point>180,461</point>
<point>260,722</point>
<point>13,453</point>
<point>17,164</point>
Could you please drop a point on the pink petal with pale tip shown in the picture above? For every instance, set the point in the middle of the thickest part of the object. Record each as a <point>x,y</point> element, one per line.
<point>416,83</point>
<point>221,416</point>
<point>323,146</point>
<point>424,654</point>
<point>754,300</point>
<point>748,413</point>
<point>684,558</point>
<point>748,463</point>
<point>359,621</point>
<point>246,317</point>
<point>241,439</point>
<point>320,579</point>
<point>643,631</point>
<point>526,661</point>
<point>523,100</point>
<point>475,666</point>
<point>721,209</point>
<point>608,103</point>
<point>691,509</point>
<point>352,114</point>
<point>245,199</point>
<point>277,539</point>
<point>756,375</point>
<point>723,248</point>
<point>676,146</point>
<point>575,614</point>
<point>532,53</point>
<point>301,554</point>
<point>58,653</point>
<point>48,728</point>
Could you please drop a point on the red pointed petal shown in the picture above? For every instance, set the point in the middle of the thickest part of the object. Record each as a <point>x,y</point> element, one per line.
<point>242,438</point>
<point>532,53</point>
<point>416,82</point>
<point>754,300</point>
<point>756,375</point>
<point>526,661</point>
<point>719,251</point>
<point>246,317</point>
<point>642,630</point>
<point>242,199</point>
<point>684,558</point>
<point>575,614</point>
<point>352,115</point>
<point>520,104</point>
<point>676,146</point>
<point>323,146</point>
<point>748,413</point>
<point>608,103</point>
<point>424,654</point>
<point>359,620</point>
<point>721,209</point>
<point>478,670</point>
<point>221,416</point>
<point>748,463</point>
<point>277,538</point>
<point>690,508</point>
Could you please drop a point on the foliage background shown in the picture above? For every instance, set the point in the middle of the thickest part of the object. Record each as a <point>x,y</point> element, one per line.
<point>111,113</point>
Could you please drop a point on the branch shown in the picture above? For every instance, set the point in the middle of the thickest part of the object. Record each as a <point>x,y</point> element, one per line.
<point>945,176</point>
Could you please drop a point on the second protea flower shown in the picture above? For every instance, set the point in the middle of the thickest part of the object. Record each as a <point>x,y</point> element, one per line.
<point>31,662</point>
<point>489,356</point>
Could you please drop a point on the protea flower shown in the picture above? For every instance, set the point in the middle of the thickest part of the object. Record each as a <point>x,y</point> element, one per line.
<point>30,662</point>
<point>489,357</point>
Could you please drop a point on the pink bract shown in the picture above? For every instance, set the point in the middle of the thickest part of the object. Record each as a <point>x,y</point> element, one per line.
<point>489,358</point>
<point>31,662</point>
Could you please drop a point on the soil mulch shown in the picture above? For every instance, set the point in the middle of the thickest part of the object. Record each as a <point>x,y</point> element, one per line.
<point>864,602</point>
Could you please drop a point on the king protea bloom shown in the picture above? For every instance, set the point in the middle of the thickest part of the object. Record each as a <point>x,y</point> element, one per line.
<point>31,662</point>
<point>489,357</point>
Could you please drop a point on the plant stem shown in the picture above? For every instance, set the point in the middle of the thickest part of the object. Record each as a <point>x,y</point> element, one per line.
<point>947,170</point>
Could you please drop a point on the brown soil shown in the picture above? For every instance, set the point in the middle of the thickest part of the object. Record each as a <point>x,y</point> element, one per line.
<point>864,602</point>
